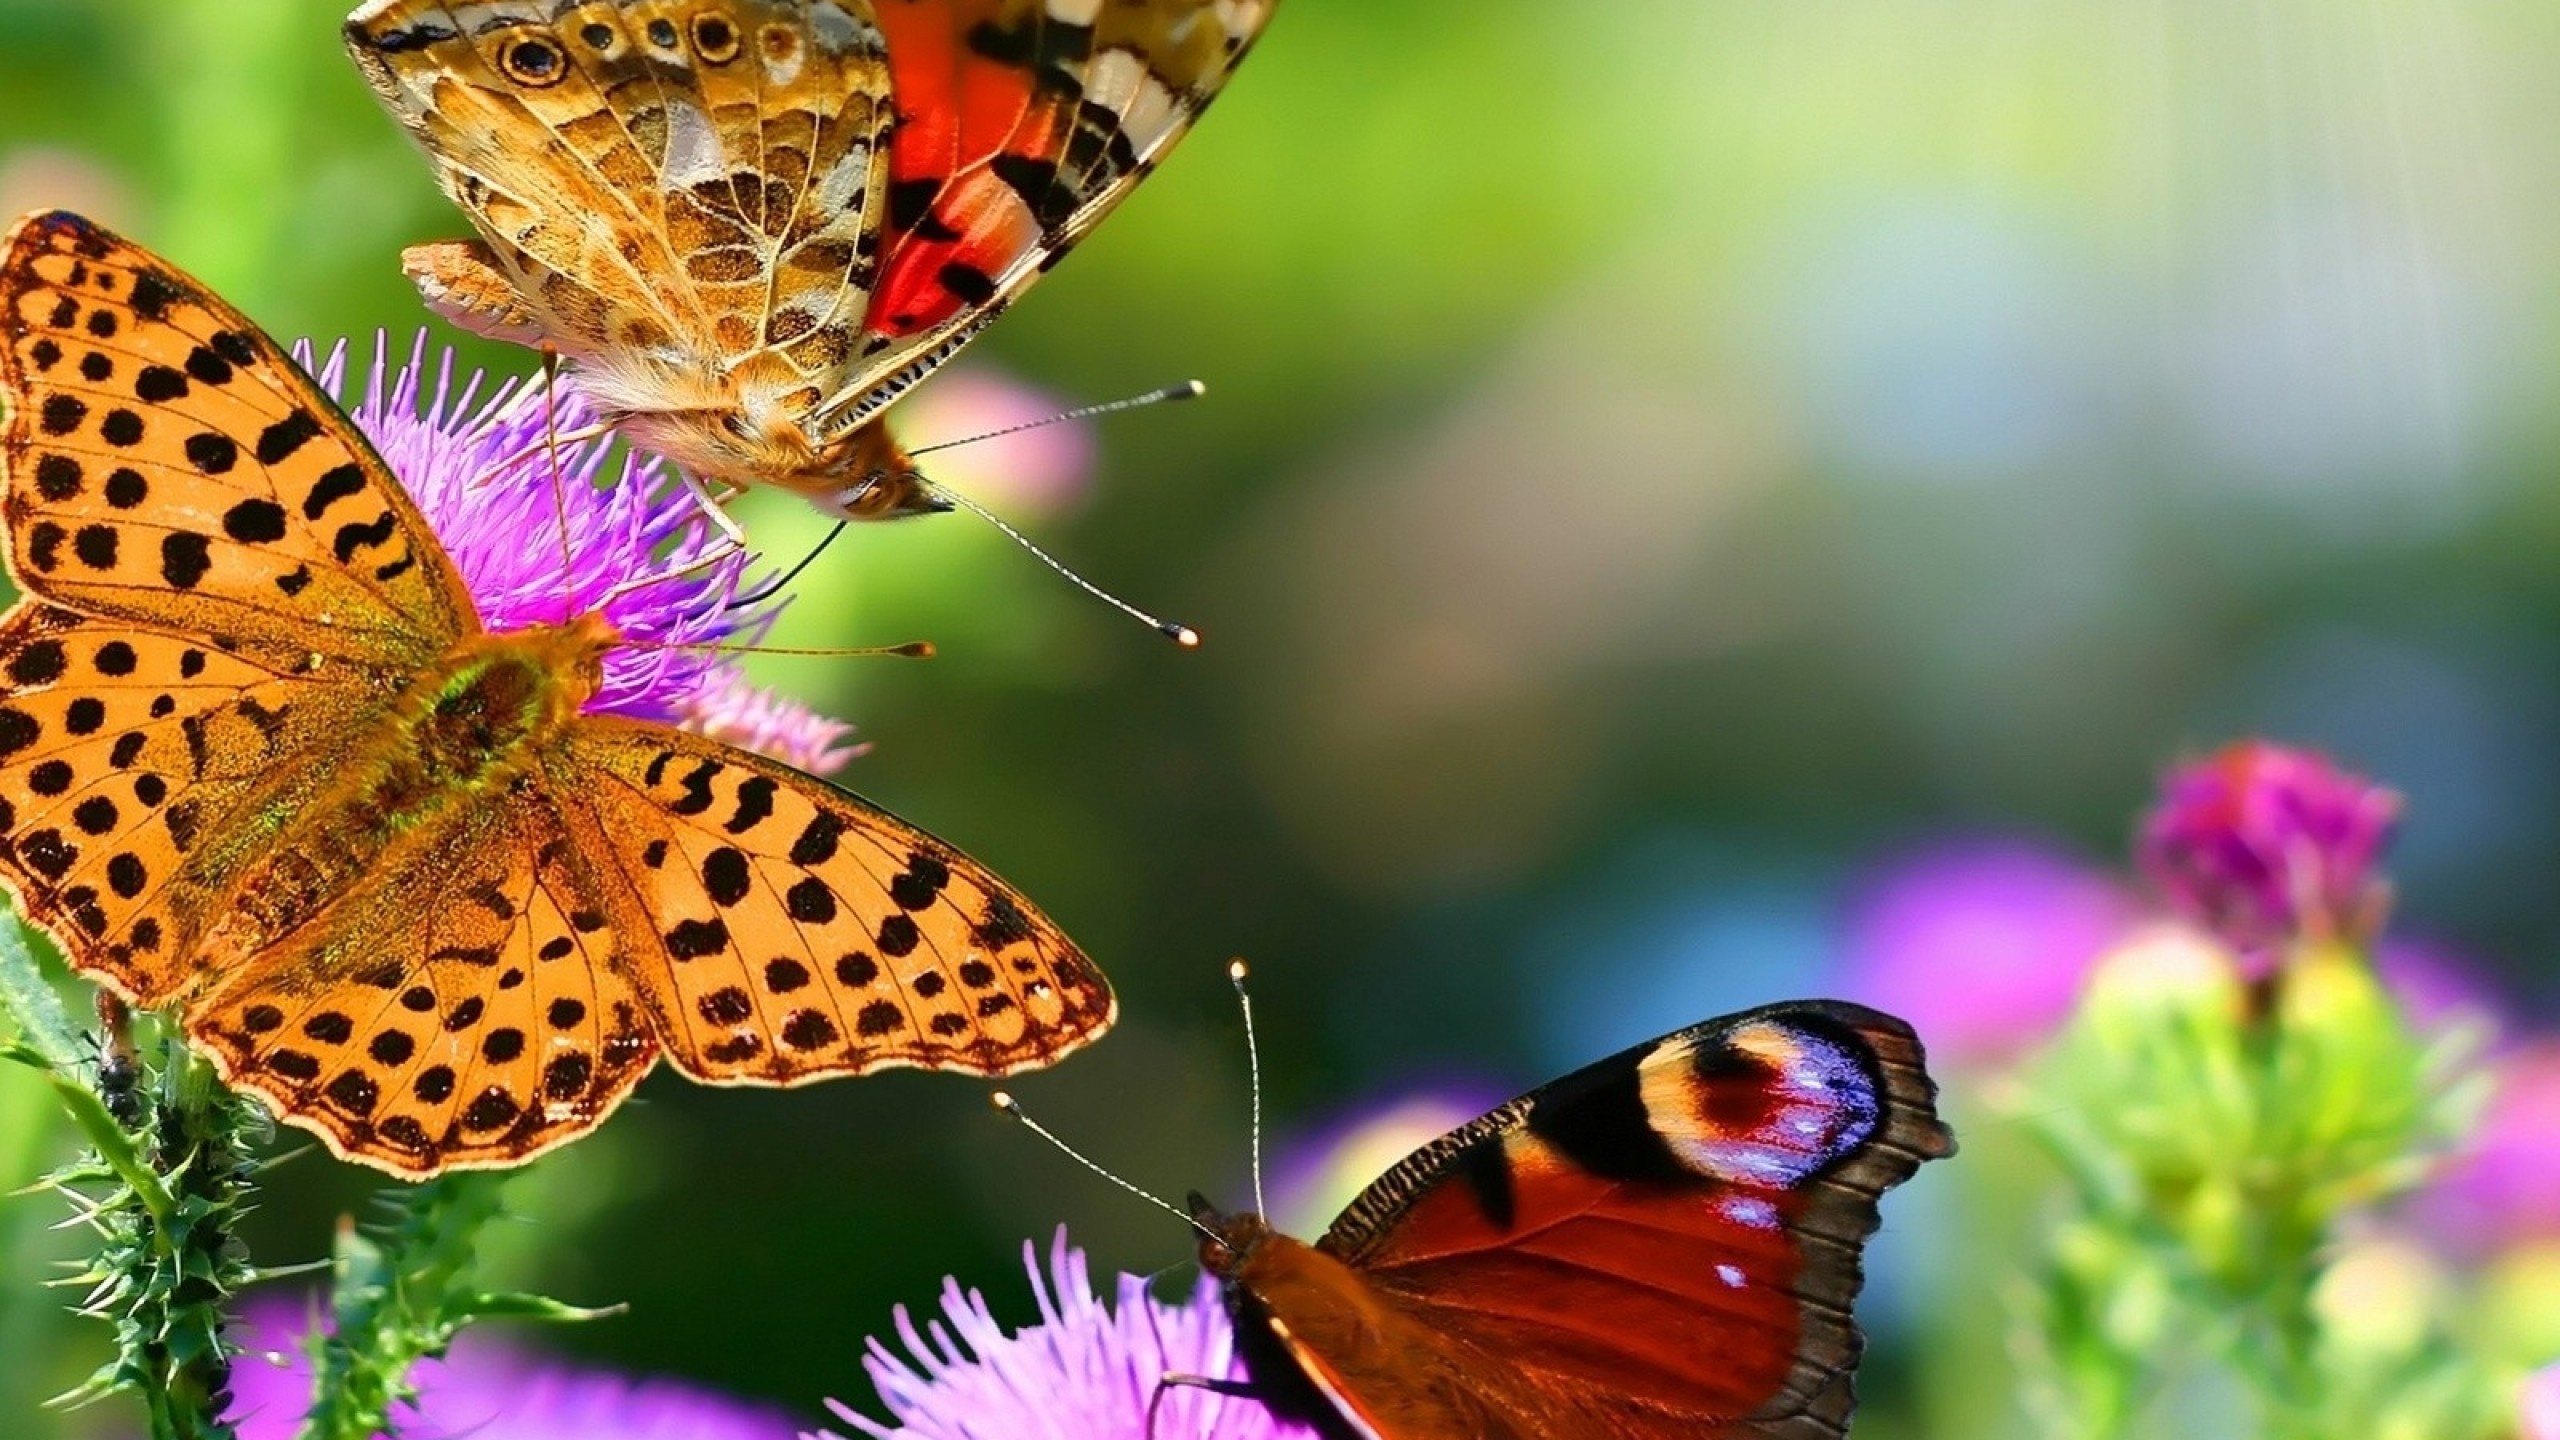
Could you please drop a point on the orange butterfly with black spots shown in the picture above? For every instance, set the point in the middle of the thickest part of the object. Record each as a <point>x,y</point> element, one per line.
<point>260,760</point>
<point>751,225</point>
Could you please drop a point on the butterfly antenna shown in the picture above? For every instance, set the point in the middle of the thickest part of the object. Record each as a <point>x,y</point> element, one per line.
<point>1010,1106</point>
<point>911,650</point>
<point>1182,635</point>
<point>1179,634</point>
<point>1187,390</point>
<point>1237,970</point>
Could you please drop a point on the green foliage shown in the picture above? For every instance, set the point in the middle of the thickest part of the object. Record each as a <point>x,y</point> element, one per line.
<point>2217,1134</point>
<point>164,1199</point>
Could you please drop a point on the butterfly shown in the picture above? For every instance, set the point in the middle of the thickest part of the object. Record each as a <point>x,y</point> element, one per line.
<point>751,225</point>
<point>1662,1244</point>
<point>260,759</point>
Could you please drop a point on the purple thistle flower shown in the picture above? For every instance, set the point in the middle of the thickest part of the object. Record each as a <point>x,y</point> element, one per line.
<point>1087,1371</point>
<point>730,708</point>
<point>2266,845</point>
<point>1982,944</point>
<point>485,1390</point>
<point>640,549</point>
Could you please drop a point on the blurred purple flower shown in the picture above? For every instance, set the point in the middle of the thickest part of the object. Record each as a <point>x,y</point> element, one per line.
<point>2439,987</point>
<point>2264,845</point>
<point>487,1391</point>
<point>1087,1371</point>
<point>1981,944</point>
<point>1318,1172</point>
<point>477,460</point>
<point>2503,1186</point>
<point>2539,1408</point>
<point>1044,470</point>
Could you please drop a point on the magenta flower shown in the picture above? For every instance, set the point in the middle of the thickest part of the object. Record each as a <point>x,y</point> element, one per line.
<point>2266,845</point>
<point>2503,1187</point>
<point>486,1390</point>
<point>729,707</point>
<point>1087,1371</point>
<point>478,460</point>
<point>1981,944</point>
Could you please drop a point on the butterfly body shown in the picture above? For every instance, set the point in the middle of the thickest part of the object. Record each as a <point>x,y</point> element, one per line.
<point>1664,1244</point>
<point>480,726</point>
<point>260,759</point>
<point>751,225</point>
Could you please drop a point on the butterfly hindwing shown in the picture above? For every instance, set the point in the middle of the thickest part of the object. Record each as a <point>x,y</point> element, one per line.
<point>167,464</point>
<point>126,757</point>
<point>1667,1241</point>
<point>467,1007</point>
<point>797,931</point>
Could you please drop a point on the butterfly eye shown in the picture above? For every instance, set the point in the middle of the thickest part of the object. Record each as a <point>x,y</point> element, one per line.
<point>715,39</point>
<point>534,64</point>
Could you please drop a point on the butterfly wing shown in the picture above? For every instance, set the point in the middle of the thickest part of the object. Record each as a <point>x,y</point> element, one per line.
<point>676,193</point>
<point>466,1008</point>
<point>1663,1244</point>
<point>129,758</point>
<point>168,465</point>
<point>1021,123</point>
<point>791,931</point>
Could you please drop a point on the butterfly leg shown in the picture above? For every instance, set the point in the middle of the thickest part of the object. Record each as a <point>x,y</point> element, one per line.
<point>716,506</point>
<point>1167,1382</point>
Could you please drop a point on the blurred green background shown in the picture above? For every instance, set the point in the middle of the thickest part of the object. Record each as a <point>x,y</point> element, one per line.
<point>1661,456</point>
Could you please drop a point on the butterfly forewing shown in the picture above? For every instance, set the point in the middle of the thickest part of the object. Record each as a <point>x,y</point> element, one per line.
<point>797,931</point>
<point>680,193</point>
<point>1664,1244</point>
<point>1021,124</point>
<point>465,1007</point>
<point>168,464</point>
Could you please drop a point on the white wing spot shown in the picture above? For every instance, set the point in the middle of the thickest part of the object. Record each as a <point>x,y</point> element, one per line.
<point>1731,1275</point>
<point>693,147</point>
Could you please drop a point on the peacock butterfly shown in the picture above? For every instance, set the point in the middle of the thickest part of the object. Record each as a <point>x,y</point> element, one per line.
<point>1665,1243</point>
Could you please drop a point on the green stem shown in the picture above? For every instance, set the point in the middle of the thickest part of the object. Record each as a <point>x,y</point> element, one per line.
<point>208,1158</point>
<point>403,1290</point>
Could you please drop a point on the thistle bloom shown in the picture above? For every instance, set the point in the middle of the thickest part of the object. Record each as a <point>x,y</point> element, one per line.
<point>485,1390</point>
<point>1981,944</point>
<point>2266,845</point>
<point>730,708</point>
<point>479,460</point>
<point>1087,1371</point>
